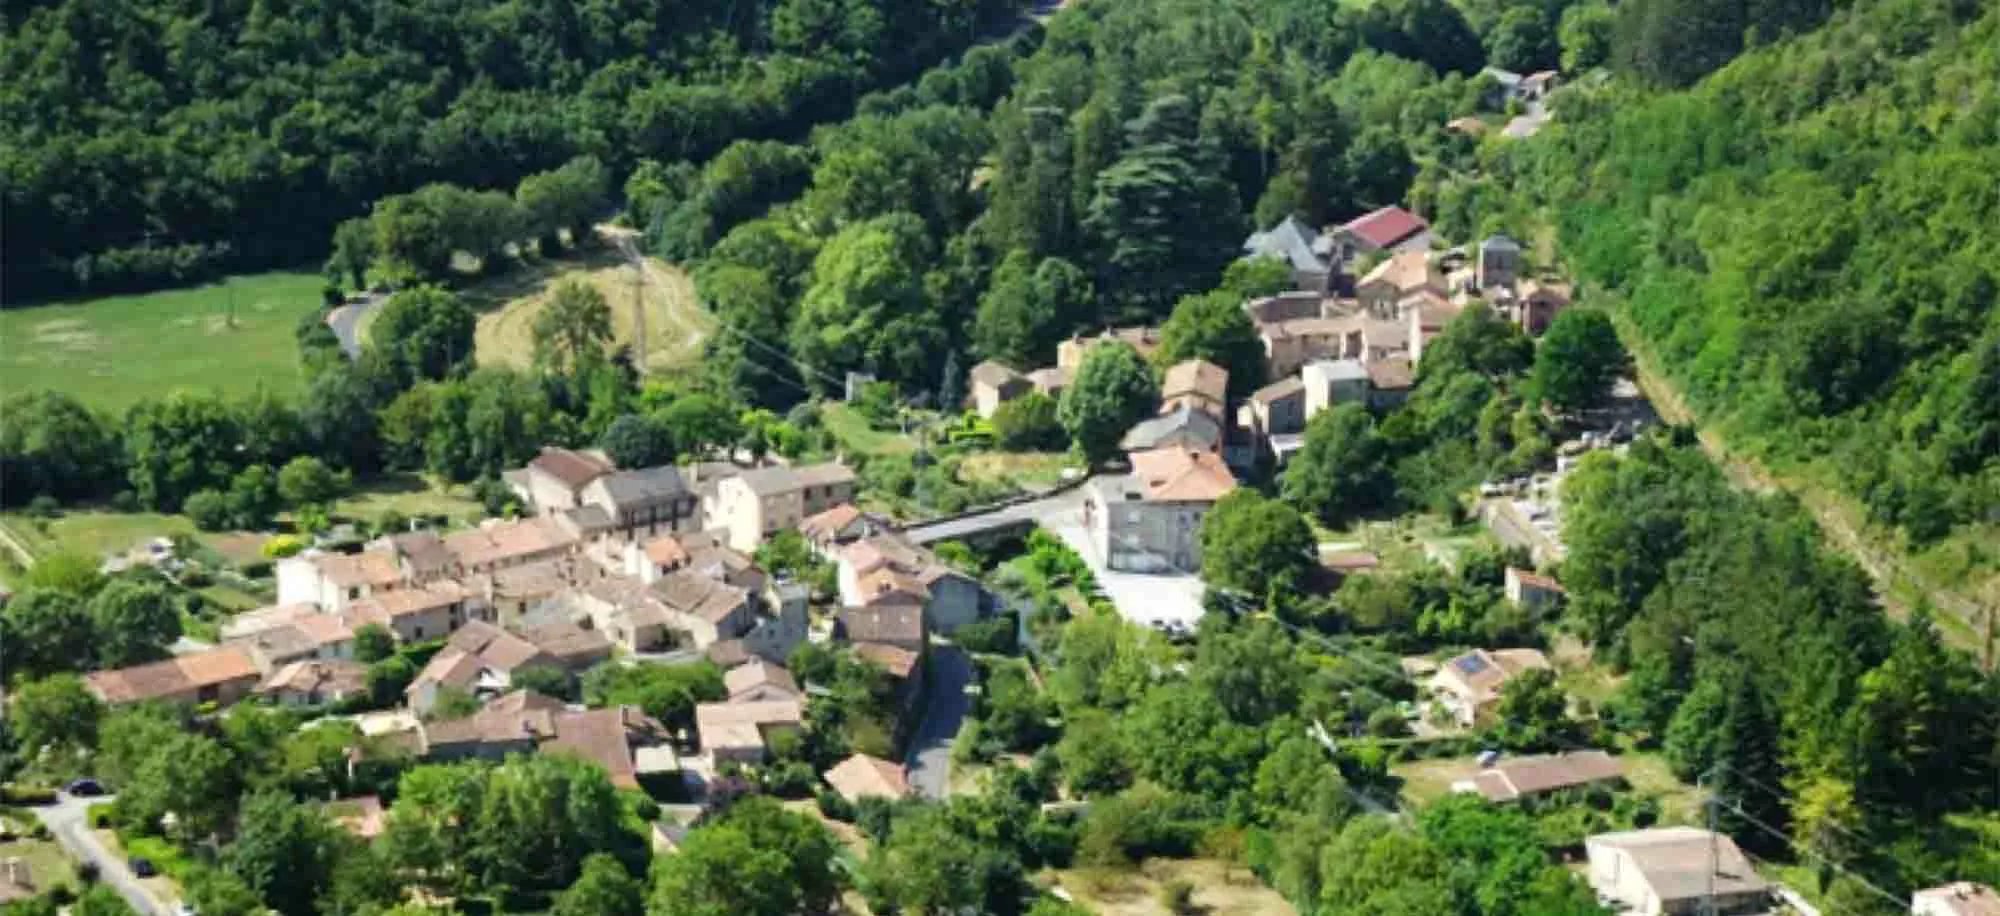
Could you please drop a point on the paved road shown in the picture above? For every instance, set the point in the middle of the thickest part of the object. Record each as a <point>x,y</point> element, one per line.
<point>346,321</point>
<point>945,708</point>
<point>69,822</point>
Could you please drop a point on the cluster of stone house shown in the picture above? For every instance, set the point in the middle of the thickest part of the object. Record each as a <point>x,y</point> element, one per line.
<point>653,564</point>
<point>1340,338</point>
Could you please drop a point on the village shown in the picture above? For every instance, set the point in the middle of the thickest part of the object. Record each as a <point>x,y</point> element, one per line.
<point>657,567</point>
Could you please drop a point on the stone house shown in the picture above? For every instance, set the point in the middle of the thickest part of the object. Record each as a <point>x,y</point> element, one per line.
<point>994,384</point>
<point>1069,353</point>
<point>554,481</point>
<point>1299,246</point>
<point>1197,384</point>
<point>1672,871</point>
<point>1388,229</point>
<point>1329,383</point>
<point>646,502</point>
<point>314,682</point>
<point>222,676</point>
<point>757,504</point>
<point>1150,520</point>
<point>1469,686</point>
<point>887,570</point>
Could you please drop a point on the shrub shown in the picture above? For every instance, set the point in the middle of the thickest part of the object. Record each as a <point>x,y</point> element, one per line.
<point>195,577</point>
<point>125,501</point>
<point>17,794</point>
<point>257,569</point>
<point>209,510</point>
<point>1177,896</point>
<point>44,506</point>
<point>997,635</point>
<point>833,806</point>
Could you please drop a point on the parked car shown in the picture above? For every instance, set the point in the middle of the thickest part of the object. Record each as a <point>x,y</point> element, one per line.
<point>85,788</point>
<point>143,867</point>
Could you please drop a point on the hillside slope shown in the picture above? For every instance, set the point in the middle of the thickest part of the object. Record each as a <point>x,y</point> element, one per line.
<point>1809,243</point>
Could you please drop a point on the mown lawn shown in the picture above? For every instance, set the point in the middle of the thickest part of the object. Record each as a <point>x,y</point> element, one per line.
<point>858,437</point>
<point>410,494</point>
<point>115,350</point>
<point>1219,889</point>
<point>93,532</point>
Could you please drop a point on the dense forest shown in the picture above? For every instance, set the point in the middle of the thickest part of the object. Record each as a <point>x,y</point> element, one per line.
<point>1808,240</point>
<point>149,142</point>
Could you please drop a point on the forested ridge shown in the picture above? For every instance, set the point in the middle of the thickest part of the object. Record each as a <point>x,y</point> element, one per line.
<point>149,142</point>
<point>1809,240</point>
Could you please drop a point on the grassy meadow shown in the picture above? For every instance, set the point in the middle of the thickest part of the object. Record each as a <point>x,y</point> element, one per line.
<point>115,350</point>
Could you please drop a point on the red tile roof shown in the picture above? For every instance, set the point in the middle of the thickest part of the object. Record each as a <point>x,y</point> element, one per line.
<point>1386,227</point>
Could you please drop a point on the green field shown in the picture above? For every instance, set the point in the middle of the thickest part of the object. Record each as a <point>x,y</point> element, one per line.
<point>116,350</point>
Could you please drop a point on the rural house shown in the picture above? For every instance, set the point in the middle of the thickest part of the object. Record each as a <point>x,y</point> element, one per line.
<point>1962,898</point>
<point>1669,871</point>
<point>994,384</point>
<point>1299,246</point>
<point>756,504</point>
<point>222,676</point>
<point>1389,229</point>
<point>887,570</point>
<point>1469,686</point>
<point>1516,778</point>
<point>1150,520</point>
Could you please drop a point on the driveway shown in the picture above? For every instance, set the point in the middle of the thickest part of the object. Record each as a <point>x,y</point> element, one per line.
<point>346,321</point>
<point>69,821</point>
<point>948,673</point>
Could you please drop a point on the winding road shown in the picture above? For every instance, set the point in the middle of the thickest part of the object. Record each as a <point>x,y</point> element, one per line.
<point>346,320</point>
<point>949,671</point>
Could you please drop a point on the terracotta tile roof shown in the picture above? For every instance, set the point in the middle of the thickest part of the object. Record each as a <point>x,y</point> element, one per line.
<point>886,623</point>
<point>1533,579</point>
<point>740,726</point>
<point>825,474</point>
<point>370,568</point>
<point>1350,562</point>
<point>1962,898</point>
<point>451,667</point>
<point>696,595</point>
<point>1403,271</point>
<point>1182,475</point>
<point>328,677</point>
<point>1676,863</point>
<point>1518,777</point>
<point>1392,374</point>
<point>324,629</point>
<point>862,776</point>
<point>568,643</point>
<point>727,653</point>
<point>892,586</point>
<point>403,602</point>
<point>361,816</point>
<point>1053,378</point>
<point>630,598</point>
<point>423,552</point>
<point>606,737</point>
<point>250,623</point>
<point>759,675</point>
<point>1386,226</point>
<point>666,550</point>
<point>573,469</point>
<point>495,647</point>
<point>1434,311</point>
<point>898,661</point>
<point>509,541</point>
<point>180,674</point>
<point>1197,377</point>
<point>993,374</point>
<point>831,523</point>
<point>1289,386</point>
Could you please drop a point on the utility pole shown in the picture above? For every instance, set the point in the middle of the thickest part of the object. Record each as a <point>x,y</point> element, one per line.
<point>638,310</point>
<point>1714,850</point>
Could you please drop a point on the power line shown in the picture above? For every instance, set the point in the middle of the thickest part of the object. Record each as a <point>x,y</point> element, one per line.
<point>1349,653</point>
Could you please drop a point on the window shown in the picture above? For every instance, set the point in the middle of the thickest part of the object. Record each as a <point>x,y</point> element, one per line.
<point>419,631</point>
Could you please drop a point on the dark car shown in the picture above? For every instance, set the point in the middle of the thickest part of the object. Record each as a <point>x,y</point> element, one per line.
<point>85,788</point>
<point>143,867</point>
